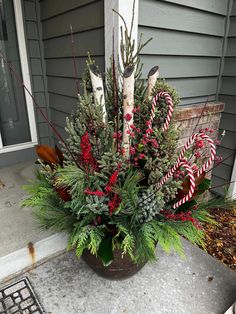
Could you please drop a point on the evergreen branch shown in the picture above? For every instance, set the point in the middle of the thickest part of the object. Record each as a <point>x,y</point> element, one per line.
<point>167,237</point>
<point>86,237</point>
<point>217,202</point>
<point>132,21</point>
<point>128,242</point>
<point>72,178</point>
<point>54,219</point>
<point>188,231</point>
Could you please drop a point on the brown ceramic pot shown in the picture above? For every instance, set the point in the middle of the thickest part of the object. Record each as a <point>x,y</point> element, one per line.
<point>120,268</point>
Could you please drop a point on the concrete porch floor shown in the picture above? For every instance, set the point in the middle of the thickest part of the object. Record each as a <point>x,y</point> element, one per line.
<point>17,226</point>
<point>198,285</point>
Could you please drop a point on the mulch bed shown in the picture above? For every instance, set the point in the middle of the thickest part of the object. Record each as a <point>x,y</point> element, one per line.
<point>221,238</point>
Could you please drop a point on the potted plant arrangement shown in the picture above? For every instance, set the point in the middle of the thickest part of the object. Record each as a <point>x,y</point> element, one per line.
<point>120,185</point>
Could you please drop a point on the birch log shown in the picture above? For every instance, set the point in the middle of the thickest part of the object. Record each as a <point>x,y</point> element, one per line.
<point>128,106</point>
<point>152,78</point>
<point>98,89</point>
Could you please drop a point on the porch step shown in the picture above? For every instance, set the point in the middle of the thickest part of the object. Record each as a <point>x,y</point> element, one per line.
<point>198,285</point>
<point>32,255</point>
<point>17,226</point>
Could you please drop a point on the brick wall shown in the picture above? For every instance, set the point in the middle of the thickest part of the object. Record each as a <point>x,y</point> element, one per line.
<point>191,119</point>
<point>196,117</point>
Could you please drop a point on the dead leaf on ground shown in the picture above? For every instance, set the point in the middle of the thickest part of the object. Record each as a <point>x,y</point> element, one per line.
<point>220,239</point>
<point>2,185</point>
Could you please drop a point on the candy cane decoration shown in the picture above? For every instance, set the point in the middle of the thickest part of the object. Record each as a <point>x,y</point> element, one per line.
<point>189,169</point>
<point>170,111</point>
<point>190,142</point>
<point>181,161</point>
<point>192,184</point>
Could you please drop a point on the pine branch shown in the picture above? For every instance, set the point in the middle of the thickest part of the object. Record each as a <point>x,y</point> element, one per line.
<point>72,178</point>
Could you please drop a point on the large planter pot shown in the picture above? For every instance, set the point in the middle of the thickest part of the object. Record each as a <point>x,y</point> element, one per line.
<point>120,268</point>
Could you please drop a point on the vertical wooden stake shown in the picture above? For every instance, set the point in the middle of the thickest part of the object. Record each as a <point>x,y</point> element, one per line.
<point>128,106</point>
<point>152,78</point>
<point>98,89</point>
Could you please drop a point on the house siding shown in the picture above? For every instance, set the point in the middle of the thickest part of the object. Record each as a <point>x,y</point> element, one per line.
<point>87,20</point>
<point>36,64</point>
<point>222,174</point>
<point>187,44</point>
<point>195,46</point>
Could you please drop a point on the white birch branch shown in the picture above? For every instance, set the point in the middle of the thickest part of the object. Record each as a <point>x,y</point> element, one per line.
<point>152,78</point>
<point>98,89</point>
<point>128,106</point>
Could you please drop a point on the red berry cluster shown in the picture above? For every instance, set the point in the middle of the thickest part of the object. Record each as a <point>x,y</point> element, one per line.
<point>115,199</point>
<point>146,140</point>
<point>114,203</point>
<point>87,158</point>
<point>206,130</point>
<point>97,192</point>
<point>128,117</point>
<point>179,174</point>
<point>117,135</point>
<point>136,109</point>
<point>199,143</point>
<point>113,178</point>
<point>182,217</point>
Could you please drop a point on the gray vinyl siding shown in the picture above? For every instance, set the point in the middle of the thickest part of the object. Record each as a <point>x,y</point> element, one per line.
<point>222,174</point>
<point>188,38</point>
<point>36,63</point>
<point>87,20</point>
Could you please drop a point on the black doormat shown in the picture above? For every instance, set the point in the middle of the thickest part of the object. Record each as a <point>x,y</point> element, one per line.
<point>19,298</point>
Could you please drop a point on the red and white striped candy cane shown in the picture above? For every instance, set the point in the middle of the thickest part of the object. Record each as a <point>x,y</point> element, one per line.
<point>191,141</point>
<point>189,169</point>
<point>181,160</point>
<point>170,111</point>
<point>191,187</point>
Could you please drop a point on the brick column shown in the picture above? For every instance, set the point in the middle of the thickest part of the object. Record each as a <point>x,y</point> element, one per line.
<point>204,115</point>
<point>195,117</point>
